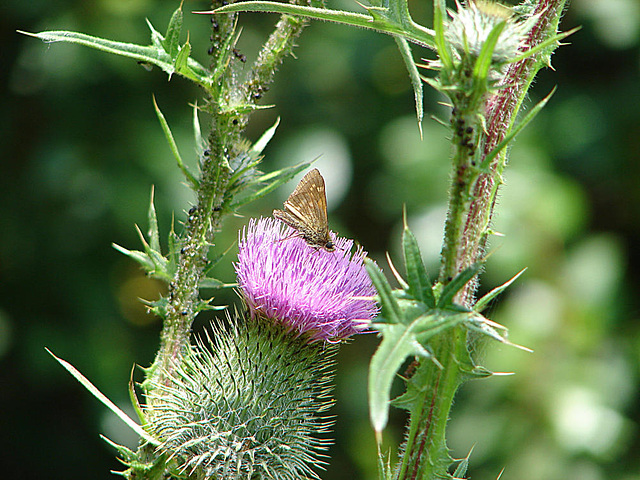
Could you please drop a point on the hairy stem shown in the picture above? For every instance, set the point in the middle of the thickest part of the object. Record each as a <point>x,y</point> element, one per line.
<point>228,120</point>
<point>471,205</point>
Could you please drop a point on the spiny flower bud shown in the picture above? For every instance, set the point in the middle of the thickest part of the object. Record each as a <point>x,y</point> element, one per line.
<point>248,404</point>
<point>470,26</point>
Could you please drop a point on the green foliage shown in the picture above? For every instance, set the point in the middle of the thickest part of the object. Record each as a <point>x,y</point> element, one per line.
<point>424,323</point>
<point>393,19</point>
<point>164,52</point>
<point>390,17</point>
<point>108,403</point>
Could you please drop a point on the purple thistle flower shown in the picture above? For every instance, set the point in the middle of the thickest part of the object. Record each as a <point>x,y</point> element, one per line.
<point>308,290</point>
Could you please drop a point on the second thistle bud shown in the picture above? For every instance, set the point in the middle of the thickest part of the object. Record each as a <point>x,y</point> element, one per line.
<point>471,26</point>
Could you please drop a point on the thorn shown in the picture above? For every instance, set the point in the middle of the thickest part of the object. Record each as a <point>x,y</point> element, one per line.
<point>400,280</point>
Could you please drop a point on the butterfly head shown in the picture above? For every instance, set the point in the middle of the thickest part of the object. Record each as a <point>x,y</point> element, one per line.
<point>329,246</point>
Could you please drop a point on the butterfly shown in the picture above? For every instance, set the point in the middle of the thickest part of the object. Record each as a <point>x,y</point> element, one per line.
<point>306,212</point>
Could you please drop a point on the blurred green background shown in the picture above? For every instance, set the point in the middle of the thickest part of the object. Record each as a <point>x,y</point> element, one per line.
<point>82,149</point>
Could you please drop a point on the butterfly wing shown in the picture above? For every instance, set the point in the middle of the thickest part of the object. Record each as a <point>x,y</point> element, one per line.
<point>306,211</point>
<point>308,202</point>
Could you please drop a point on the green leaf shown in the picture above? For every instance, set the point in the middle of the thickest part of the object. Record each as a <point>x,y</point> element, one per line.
<point>398,343</point>
<point>208,282</point>
<point>152,54</point>
<point>182,59</point>
<point>138,256</point>
<point>551,41</point>
<point>154,232</point>
<point>215,260</point>
<point>272,180</point>
<point>262,142</point>
<point>515,130</point>
<point>484,60</point>
<point>417,276</point>
<point>463,465</point>
<point>439,14</point>
<point>490,329</point>
<point>151,259</point>
<point>193,181</point>
<point>410,31</point>
<point>438,321</point>
<point>175,244</point>
<point>390,308</point>
<point>416,80</point>
<point>160,263</point>
<point>204,305</point>
<point>454,286</point>
<point>481,304</point>
<point>126,454</point>
<point>197,131</point>
<point>171,42</point>
<point>134,399</point>
<point>223,54</point>
<point>385,471</point>
<point>108,403</point>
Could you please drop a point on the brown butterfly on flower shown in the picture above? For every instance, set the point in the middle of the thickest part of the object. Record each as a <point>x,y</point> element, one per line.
<point>306,212</point>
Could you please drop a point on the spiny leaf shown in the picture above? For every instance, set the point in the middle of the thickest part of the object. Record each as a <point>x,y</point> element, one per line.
<point>197,131</point>
<point>182,59</point>
<point>390,308</point>
<point>224,53</point>
<point>400,293</point>
<point>398,342</point>
<point>261,143</point>
<point>137,256</point>
<point>126,454</point>
<point>172,37</point>
<point>151,54</point>
<point>214,261</point>
<point>100,396</point>
<point>154,233</point>
<point>439,14</point>
<point>161,264</point>
<point>454,286</point>
<point>463,465</point>
<point>272,180</point>
<point>134,399</point>
<point>545,44</point>
<point>416,80</point>
<point>174,147</point>
<point>417,276</point>
<point>411,31</point>
<point>486,327</point>
<point>484,60</point>
<point>515,130</point>
<point>209,282</point>
<point>481,304</point>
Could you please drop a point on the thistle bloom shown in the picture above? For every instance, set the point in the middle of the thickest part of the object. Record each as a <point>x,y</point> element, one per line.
<point>309,291</point>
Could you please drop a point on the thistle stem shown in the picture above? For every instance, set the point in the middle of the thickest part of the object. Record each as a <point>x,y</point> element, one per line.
<point>473,192</point>
<point>224,144</point>
<point>471,202</point>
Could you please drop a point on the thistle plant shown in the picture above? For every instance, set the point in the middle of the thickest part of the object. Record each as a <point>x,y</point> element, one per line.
<point>249,398</point>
